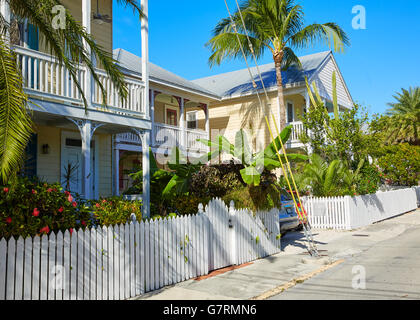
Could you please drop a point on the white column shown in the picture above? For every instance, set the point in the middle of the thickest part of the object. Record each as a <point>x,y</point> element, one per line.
<point>86,23</point>
<point>183,141</point>
<point>145,53</point>
<point>117,172</point>
<point>206,111</point>
<point>86,133</point>
<point>152,116</point>
<point>146,173</point>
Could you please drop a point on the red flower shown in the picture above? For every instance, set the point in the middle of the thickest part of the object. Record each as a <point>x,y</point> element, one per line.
<point>104,201</point>
<point>35,213</point>
<point>9,220</point>
<point>74,203</point>
<point>44,230</point>
<point>97,205</point>
<point>6,190</point>
<point>61,209</point>
<point>83,223</point>
<point>33,191</point>
<point>49,190</point>
<point>70,198</point>
<point>71,231</point>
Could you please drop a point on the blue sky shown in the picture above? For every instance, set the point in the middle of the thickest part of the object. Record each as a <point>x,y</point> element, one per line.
<point>380,61</point>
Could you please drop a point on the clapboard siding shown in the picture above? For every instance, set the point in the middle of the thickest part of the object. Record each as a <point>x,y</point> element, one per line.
<point>323,80</point>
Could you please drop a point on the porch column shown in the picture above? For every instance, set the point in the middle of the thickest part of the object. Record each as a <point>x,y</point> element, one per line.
<point>86,23</point>
<point>152,116</point>
<point>144,136</point>
<point>206,111</point>
<point>145,54</point>
<point>5,12</point>
<point>183,142</point>
<point>117,172</point>
<point>87,129</point>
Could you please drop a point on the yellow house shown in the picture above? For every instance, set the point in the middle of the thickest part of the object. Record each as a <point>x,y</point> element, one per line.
<point>239,106</point>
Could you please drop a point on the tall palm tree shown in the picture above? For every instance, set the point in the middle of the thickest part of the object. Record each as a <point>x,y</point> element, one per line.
<point>405,115</point>
<point>72,46</point>
<point>274,25</point>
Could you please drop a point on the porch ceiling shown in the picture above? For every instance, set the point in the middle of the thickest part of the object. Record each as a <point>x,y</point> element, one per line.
<point>53,114</point>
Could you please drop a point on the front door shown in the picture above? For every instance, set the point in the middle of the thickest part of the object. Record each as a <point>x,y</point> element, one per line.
<point>72,163</point>
<point>171,117</point>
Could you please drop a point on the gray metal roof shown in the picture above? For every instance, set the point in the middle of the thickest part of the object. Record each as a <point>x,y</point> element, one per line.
<point>132,63</point>
<point>238,82</point>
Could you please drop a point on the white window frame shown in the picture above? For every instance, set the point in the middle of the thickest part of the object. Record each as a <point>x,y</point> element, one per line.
<point>287,111</point>
<point>196,119</point>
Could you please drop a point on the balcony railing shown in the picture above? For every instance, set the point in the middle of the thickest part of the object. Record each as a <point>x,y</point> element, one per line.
<point>44,76</point>
<point>297,130</point>
<point>169,136</point>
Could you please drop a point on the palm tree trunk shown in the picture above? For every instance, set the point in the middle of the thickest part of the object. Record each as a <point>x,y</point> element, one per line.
<point>278,58</point>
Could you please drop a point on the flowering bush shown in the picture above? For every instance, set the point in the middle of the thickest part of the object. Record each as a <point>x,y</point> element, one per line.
<point>115,210</point>
<point>32,207</point>
<point>369,180</point>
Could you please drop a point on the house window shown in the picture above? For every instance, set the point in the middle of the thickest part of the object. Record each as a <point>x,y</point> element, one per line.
<point>192,120</point>
<point>171,117</point>
<point>290,117</point>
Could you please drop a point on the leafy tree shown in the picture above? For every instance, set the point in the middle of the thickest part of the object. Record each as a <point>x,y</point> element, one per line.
<point>68,45</point>
<point>276,26</point>
<point>341,136</point>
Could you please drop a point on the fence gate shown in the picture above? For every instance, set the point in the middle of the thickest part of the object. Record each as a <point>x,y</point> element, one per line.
<point>220,235</point>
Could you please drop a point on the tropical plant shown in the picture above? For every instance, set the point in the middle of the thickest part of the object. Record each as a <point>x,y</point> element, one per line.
<point>71,45</point>
<point>328,179</point>
<point>254,163</point>
<point>276,26</point>
<point>404,117</point>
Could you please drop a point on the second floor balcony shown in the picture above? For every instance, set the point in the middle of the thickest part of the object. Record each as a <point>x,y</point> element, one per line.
<point>45,78</point>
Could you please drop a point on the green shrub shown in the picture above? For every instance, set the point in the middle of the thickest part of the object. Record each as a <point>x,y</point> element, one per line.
<point>216,180</point>
<point>188,204</point>
<point>369,180</point>
<point>115,210</point>
<point>30,208</point>
<point>400,164</point>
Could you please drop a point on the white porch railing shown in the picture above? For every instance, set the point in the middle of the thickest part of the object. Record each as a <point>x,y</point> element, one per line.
<point>43,76</point>
<point>167,135</point>
<point>296,131</point>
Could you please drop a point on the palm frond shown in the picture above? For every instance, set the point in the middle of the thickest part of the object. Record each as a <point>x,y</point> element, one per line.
<point>15,122</point>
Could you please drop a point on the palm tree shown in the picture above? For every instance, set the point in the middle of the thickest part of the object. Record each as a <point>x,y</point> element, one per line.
<point>72,46</point>
<point>274,25</point>
<point>405,115</point>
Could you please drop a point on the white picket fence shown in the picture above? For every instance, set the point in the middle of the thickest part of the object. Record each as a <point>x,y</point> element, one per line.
<point>347,213</point>
<point>128,260</point>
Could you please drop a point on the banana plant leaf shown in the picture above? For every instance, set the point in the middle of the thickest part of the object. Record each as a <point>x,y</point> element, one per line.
<point>251,176</point>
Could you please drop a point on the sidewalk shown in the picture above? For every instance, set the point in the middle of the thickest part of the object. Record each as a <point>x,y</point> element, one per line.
<point>271,275</point>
